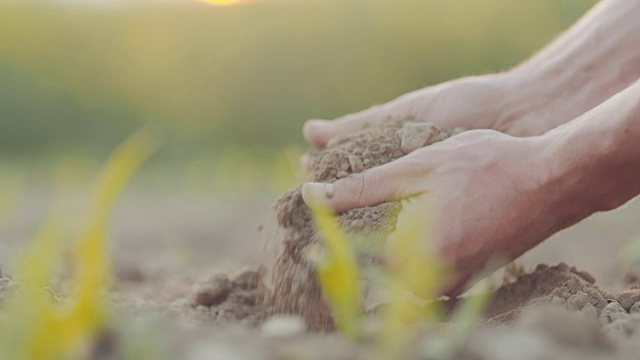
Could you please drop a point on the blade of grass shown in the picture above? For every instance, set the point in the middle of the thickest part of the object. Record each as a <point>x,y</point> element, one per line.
<point>412,269</point>
<point>35,326</point>
<point>337,272</point>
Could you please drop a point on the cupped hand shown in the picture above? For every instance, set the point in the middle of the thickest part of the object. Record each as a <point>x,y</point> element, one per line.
<point>495,101</point>
<point>488,196</point>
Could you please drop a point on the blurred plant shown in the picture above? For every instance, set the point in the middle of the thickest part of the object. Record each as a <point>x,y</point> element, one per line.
<point>462,322</point>
<point>36,326</point>
<point>337,272</point>
<point>412,268</point>
<point>412,273</point>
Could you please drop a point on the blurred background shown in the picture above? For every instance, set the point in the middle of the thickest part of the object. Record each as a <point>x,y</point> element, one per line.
<point>227,88</point>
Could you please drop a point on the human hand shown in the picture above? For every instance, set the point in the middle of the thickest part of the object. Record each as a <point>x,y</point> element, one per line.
<point>496,101</point>
<point>488,195</point>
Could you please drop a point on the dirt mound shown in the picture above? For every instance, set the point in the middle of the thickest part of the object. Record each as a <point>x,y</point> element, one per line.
<point>558,285</point>
<point>213,299</point>
<point>219,299</point>
<point>295,288</point>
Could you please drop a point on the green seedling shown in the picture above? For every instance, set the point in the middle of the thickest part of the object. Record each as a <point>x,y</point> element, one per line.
<point>35,326</point>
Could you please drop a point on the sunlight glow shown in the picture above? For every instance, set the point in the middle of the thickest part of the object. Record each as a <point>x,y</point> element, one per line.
<point>223,2</point>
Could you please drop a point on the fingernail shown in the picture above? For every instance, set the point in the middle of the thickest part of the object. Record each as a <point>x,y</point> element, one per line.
<point>316,191</point>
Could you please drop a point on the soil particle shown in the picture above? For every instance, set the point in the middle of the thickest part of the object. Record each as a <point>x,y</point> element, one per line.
<point>577,301</point>
<point>295,288</point>
<point>628,298</point>
<point>413,136</point>
<point>212,291</point>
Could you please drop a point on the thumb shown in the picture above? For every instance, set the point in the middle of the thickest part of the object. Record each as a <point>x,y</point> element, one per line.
<point>381,184</point>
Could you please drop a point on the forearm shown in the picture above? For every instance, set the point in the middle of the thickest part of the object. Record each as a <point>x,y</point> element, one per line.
<point>593,163</point>
<point>596,58</point>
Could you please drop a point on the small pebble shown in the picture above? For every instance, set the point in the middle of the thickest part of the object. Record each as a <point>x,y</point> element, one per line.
<point>635,309</point>
<point>628,298</point>
<point>595,298</point>
<point>342,174</point>
<point>416,135</point>
<point>356,164</point>
<point>355,224</point>
<point>578,301</point>
<point>213,291</point>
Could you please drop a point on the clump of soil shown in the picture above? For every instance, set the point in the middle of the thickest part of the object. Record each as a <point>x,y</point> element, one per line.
<point>295,288</point>
<point>220,299</point>
<point>558,285</point>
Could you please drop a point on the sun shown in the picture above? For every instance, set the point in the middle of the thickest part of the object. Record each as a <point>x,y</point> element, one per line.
<point>222,2</point>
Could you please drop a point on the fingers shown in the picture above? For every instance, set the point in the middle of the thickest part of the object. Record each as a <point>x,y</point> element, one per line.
<point>319,132</point>
<point>389,182</point>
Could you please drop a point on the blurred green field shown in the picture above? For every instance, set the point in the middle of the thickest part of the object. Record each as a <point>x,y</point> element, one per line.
<point>223,81</point>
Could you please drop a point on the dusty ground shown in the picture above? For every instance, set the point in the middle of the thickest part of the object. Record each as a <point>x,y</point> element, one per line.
<point>192,268</point>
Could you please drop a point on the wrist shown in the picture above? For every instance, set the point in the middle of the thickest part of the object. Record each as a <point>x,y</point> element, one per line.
<point>535,102</point>
<point>576,175</point>
<point>572,184</point>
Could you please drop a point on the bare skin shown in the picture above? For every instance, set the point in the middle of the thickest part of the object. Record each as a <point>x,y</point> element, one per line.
<point>503,193</point>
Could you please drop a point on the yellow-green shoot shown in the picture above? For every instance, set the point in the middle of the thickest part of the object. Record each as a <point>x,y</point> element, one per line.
<point>412,268</point>
<point>337,272</point>
<point>37,327</point>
